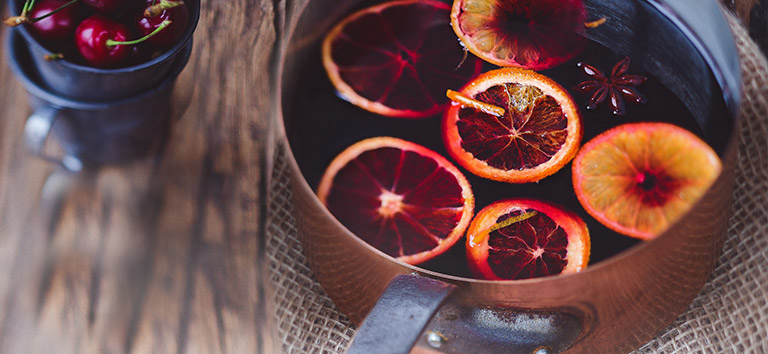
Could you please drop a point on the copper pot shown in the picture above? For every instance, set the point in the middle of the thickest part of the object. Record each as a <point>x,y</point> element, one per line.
<point>612,306</point>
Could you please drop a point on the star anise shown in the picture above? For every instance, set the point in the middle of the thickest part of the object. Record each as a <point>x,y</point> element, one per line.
<point>619,84</point>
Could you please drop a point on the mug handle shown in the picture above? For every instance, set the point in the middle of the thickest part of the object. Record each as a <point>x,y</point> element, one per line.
<point>411,303</point>
<point>38,128</point>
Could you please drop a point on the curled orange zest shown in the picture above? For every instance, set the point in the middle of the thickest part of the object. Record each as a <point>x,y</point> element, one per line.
<point>512,220</point>
<point>595,23</point>
<point>500,225</point>
<point>471,102</point>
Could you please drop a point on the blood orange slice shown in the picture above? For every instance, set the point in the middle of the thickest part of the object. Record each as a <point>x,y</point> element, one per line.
<point>400,197</point>
<point>397,58</point>
<point>538,133</point>
<point>639,178</point>
<point>525,238</point>
<point>532,34</point>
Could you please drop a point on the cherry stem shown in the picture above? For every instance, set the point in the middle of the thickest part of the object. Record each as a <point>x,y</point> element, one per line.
<point>62,7</point>
<point>24,18</point>
<point>27,7</point>
<point>157,8</point>
<point>15,21</point>
<point>53,56</point>
<point>163,25</point>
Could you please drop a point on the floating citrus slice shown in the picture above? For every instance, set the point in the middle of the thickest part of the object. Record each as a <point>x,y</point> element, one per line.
<point>639,178</point>
<point>397,58</point>
<point>538,133</point>
<point>400,197</point>
<point>532,34</point>
<point>524,238</point>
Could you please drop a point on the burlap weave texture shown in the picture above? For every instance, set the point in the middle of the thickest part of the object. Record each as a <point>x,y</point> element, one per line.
<point>730,315</point>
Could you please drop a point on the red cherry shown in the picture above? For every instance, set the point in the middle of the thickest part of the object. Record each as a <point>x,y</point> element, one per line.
<point>175,11</point>
<point>91,38</point>
<point>106,6</point>
<point>54,28</point>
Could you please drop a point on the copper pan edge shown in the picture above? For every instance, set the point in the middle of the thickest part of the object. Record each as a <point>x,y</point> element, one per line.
<point>624,301</point>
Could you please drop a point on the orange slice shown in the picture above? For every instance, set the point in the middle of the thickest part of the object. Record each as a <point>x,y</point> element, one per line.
<point>397,58</point>
<point>537,135</point>
<point>531,34</point>
<point>525,238</point>
<point>400,197</point>
<point>639,178</point>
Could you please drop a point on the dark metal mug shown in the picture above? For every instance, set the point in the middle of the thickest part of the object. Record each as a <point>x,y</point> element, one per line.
<point>612,306</point>
<point>80,82</point>
<point>90,132</point>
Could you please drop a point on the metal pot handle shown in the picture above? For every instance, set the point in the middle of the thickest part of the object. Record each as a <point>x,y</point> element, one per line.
<point>412,303</point>
<point>403,311</point>
<point>38,128</point>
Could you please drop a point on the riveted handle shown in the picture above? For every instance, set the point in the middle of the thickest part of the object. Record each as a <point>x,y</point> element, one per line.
<point>399,317</point>
<point>415,311</point>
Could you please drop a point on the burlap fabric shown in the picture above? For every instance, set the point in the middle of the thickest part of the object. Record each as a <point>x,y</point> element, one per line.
<point>730,315</point>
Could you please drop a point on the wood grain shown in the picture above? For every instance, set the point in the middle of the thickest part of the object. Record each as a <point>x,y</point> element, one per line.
<point>162,255</point>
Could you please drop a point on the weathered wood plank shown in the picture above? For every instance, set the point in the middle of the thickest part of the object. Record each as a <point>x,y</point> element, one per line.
<point>159,255</point>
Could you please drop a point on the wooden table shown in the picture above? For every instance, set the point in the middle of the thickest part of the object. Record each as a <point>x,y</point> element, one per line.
<point>162,255</point>
<point>165,254</point>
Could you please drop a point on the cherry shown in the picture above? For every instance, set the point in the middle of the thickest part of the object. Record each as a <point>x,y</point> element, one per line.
<point>56,28</point>
<point>91,38</point>
<point>158,11</point>
<point>102,42</point>
<point>106,6</point>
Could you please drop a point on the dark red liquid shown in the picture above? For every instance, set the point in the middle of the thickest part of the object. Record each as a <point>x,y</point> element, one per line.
<point>320,125</point>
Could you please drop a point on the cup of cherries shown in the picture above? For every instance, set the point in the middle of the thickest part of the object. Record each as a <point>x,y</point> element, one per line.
<point>100,74</point>
<point>104,49</point>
